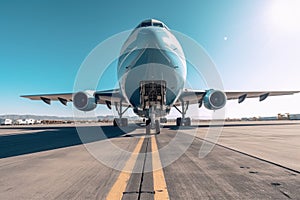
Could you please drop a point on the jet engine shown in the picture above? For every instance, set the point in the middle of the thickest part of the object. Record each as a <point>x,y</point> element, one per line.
<point>85,100</point>
<point>214,99</point>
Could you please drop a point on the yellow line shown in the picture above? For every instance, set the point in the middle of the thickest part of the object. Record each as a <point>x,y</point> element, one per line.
<point>116,192</point>
<point>159,183</point>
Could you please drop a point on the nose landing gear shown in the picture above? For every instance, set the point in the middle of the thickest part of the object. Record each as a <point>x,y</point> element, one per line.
<point>152,126</point>
<point>153,99</point>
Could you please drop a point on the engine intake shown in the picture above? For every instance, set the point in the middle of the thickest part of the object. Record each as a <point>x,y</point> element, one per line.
<point>85,100</point>
<point>214,99</point>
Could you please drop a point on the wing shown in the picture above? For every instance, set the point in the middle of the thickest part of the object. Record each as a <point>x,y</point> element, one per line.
<point>64,98</point>
<point>262,95</point>
<point>111,97</point>
<point>107,97</point>
<point>191,96</point>
<point>196,96</point>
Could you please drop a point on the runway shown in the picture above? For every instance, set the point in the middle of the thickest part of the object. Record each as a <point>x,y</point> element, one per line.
<point>250,161</point>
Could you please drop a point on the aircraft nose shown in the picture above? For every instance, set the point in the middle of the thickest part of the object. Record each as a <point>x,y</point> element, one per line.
<point>151,37</point>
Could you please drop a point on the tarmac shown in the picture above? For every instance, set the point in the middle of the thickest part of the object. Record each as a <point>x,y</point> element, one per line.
<point>248,160</point>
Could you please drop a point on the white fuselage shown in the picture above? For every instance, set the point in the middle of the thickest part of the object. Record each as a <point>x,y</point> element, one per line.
<point>151,54</point>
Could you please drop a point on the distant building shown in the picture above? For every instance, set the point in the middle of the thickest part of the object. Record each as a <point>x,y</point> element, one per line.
<point>30,121</point>
<point>294,116</point>
<point>6,122</point>
<point>25,121</point>
<point>267,118</point>
<point>21,122</point>
<point>283,116</point>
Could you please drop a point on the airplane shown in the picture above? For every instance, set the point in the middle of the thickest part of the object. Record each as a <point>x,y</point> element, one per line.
<point>152,71</point>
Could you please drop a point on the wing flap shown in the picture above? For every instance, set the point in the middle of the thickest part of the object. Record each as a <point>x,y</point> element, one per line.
<point>192,96</point>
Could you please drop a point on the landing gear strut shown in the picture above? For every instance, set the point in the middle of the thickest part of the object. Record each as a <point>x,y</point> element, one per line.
<point>152,123</point>
<point>183,121</point>
<point>153,99</point>
<point>120,121</point>
<point>149,126</point>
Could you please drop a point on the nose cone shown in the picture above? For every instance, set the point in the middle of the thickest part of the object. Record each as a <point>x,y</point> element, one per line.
<point>144,37</point>
<point>150,37</point>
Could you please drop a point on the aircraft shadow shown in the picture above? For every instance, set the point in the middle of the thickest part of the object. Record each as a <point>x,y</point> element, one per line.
<point>53,138</point>
<point>59,137</point>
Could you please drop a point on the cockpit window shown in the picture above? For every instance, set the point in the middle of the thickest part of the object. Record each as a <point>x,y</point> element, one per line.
<point>145,24</point>
<point>155,23</point>
<point>158,24</point>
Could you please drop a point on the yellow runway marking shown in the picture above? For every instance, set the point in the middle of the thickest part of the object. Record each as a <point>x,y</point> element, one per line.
<point>159,183</point>
<point>119,187</point>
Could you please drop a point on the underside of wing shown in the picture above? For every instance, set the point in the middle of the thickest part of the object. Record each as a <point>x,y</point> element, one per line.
<point>191,96</point>
<point>64,98</point>
<point>262,95</point>
<point>107,97</point>
<point>196,96</point>
<point>111,97</point>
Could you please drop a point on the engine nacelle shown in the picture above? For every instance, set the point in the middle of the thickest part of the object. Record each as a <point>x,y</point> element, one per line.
<point>214,99</point>
<point>85,100</point>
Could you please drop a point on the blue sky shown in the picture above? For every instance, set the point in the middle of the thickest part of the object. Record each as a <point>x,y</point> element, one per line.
<point>255,45</point>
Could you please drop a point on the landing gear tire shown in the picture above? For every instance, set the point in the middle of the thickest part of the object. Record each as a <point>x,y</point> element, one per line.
<point>157,127</point>
<point>121,122</point>
<point>187,121</point>
<point>163,120</point>
<point>115,123</point>
<point>148,126</point>
<point>178,121</point>
<point>183,122</point>
<point>124,121</point>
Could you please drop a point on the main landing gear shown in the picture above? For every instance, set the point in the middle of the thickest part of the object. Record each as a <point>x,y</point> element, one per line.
<point>120,121</point>
<point>183,121</point>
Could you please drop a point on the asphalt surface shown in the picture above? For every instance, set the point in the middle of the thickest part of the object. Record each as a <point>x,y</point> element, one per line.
<point>250,161</point>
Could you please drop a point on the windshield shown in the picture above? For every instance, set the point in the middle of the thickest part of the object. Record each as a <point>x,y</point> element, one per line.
<point>155,23</point>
